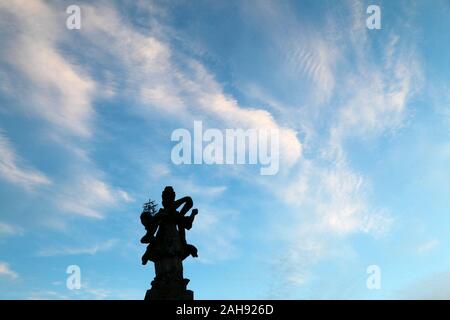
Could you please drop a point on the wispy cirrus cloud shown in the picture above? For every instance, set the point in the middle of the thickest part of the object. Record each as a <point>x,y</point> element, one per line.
<point>10,230</point>
<point>88,194</point>
<point>90,250</point>
<point>378,98</point>
<point>168,81</point>
<point>306,55</point>
<point>7,272</point>
<point>328,199</point>
<point>14,170</point>
<point>328,204</point>
<point>46,82</point>
<point>428,246</point>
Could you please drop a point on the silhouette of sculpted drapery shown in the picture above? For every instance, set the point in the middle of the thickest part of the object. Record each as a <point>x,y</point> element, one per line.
<point>167,246</point>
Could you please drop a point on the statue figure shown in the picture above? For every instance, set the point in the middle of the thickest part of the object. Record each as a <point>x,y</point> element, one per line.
<point>167,246</point>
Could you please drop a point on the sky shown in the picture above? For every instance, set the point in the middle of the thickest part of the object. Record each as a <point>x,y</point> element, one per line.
<point>363,115</point>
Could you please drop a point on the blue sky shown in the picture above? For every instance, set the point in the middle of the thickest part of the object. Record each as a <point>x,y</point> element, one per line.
<point>86,118</point>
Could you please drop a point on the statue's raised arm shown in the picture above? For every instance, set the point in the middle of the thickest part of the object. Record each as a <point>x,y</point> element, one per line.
<point>187,201</point>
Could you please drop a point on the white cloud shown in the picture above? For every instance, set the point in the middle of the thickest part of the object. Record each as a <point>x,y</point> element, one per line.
<point>328,200</point>
<point>184,88</point>
<point>91,250</point>
<point>212,101</point>
<point>51,87</point>
<point>13,170</point>
<point>6,271</point>
<point>183,186</point>
<point>306,54</point>
<point>124,195</point>
<point>10,230</point>
<point>160,170</point>
<point>428,246</point>
<point>315,62</point>
<point>48,85</point>
<point>55,88</point>
<point>376,93</point>
<point>378,100</point>
<point>326,205</point>
<point>87,195</point>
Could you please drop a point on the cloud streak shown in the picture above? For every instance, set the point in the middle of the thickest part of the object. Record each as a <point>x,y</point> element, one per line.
<point>69,251</point>
<point>88,194</point>
<point>7,272</point>
<point>10,230</point>
<point>46,82</point>
<point>184,88</point>
<point>14,171</point>
<point>328,200</point>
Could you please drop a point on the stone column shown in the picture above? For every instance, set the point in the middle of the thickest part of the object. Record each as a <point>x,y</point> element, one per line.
<point>169,283</point>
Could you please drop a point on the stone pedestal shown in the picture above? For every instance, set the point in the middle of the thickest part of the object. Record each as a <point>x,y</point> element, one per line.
<point>169,283</point>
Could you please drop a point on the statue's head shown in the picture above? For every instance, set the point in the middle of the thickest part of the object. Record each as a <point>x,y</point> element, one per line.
<point>168,197</point>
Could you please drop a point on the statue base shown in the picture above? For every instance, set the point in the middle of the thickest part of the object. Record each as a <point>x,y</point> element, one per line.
<point>185,295</point>
<point>169,283</point>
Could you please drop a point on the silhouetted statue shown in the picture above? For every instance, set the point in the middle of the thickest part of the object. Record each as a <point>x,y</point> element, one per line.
<point>167,246</point>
